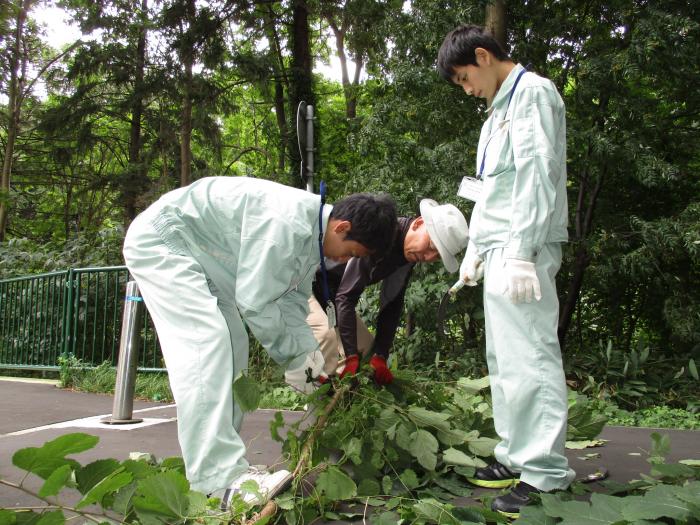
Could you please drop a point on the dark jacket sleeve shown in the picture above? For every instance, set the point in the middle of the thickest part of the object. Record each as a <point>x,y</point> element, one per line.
<point>391,306</point>
<point>355,280</point>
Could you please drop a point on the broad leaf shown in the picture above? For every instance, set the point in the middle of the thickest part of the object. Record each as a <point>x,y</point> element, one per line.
<point>473,385</point>
<point>659,502</point>
<point>385,518</point>
<point>353,450</point>
<point>246,392</point>
<point>531,515</point>
<point>453,486</point>
<point>368,487</point>
<point>387,418</point>
<point>56,481</point>
<point>452,456</point>
<point>90,475</point>
<point>585,443</point>
<point>452,437</point>
<point>112,483</point>
<point>162,498</point>
<point>55,517</point>
<point>409,479</point>
<point>424,448</point>
<point>43,460</point>
<point>482,446</point>
<point>432,510</point>
<point>429,419</point>
<point>336,485</point>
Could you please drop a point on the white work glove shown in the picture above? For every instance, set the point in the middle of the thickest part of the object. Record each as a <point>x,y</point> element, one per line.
<point>297,378</point>
<point>472,268</point>
<point>520,282</point>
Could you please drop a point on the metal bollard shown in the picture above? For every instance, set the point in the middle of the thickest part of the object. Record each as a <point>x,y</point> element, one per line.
<point>123,406</point>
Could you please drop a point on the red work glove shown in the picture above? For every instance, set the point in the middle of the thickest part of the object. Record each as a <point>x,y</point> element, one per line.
<point>382,375</point>
<point>351,365</point>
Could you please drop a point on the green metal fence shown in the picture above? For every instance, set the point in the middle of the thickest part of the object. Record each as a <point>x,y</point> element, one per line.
<point>74,312</point>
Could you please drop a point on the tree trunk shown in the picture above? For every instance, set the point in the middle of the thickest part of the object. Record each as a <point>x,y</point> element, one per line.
<point>301,85</point>
<point>496,21</point>
<point>280,84</point>
<point>14,104</point>
<point>135,183</point>
<point>186,125</point>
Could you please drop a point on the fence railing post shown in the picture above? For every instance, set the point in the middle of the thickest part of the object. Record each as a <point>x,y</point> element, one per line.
<point>123,407</point>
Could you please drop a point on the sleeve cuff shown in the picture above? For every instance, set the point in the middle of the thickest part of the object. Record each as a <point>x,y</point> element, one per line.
<point>524,252</point>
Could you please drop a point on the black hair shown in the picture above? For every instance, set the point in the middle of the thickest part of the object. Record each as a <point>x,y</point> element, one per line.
<point>373,219</point>
<point>459,46</point>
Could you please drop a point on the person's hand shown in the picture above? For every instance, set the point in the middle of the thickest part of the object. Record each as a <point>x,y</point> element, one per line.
<point>382,374</point>
<point>352,363</point>
<point>472,268</point>
<point>312,368</point>
<point>520,281</point>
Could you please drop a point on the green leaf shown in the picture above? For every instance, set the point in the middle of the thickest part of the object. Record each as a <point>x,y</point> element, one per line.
<point>452,456</point>
<point>693,369</point>
<point>161,498</point>
<point>427,418</point>
<point>482,446</point>
<point>661,444</point>
<point>55,517</point>
<point>43,460</point>
<point>403,437</point>
<point>246,392</point>
<point>110,484</point>
<point>586,443</point>
<point>7,517</point>
<point>672,471</point>
<point>473,386</point>
<point>56,481</point>
<point>531,515</point>
<point>385,518</point>
<point>452,436</point>
<point>336,485</point>
<point>353,450</point>
<point>285,502</point>
<point>424,448</point>
<point>368,487</point>
<point>659,502</point>
<point>387,418</point>
<point>432,510</point>
<point>454,486</point>
<point>387,484</point>
<point>90,475</point>
<point>275,424</point>
<point>409,479</point>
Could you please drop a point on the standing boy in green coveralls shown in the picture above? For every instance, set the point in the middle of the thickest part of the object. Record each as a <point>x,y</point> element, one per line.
<point>517,226</point>
<point>221,251</point>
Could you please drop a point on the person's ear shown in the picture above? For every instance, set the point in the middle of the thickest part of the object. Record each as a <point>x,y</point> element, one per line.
<point>417,223</point>
<point>483,57</point>
<point>342,227</point>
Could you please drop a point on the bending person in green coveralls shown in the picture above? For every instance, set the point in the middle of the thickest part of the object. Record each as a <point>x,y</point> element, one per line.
<point>517,226</point>
<point>221,251</point>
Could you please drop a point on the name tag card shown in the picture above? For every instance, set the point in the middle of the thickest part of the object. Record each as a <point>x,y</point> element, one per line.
<point>470,188</point>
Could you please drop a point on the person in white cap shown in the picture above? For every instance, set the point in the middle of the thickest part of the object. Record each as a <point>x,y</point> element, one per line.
<point>440,232</point>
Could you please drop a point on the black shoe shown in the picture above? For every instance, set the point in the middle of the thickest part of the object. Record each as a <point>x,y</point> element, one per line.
<point>495,476</point>
<point>511,503</point>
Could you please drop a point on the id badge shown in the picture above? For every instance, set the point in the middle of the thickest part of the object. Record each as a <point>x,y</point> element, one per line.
<point>330,313</point>
<point>470,188</point>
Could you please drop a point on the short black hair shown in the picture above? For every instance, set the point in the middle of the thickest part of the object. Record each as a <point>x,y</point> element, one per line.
<point>373,219</point>
<point>459,46</point>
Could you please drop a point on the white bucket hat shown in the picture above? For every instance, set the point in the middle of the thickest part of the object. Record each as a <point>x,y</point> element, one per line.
<point>448,230</point>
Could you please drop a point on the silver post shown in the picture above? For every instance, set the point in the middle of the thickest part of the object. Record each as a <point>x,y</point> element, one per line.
<point>123,406</point>
<point>310,148</point>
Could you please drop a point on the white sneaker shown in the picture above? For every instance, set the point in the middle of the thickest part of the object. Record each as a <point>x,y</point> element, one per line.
<point>269,484</point>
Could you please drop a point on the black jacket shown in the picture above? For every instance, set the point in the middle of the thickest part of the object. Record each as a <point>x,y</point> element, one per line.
<point>346,282</point>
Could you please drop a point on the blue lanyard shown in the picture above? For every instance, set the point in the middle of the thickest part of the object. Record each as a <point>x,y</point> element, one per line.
<point>324,272</point>
<point>512,90</point>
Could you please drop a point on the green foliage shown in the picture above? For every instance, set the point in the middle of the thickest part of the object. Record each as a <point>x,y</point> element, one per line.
<point>141,491</point>
<point>408,448</point>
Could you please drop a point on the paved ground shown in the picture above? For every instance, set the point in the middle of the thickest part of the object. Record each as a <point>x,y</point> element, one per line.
<point>32,413</point>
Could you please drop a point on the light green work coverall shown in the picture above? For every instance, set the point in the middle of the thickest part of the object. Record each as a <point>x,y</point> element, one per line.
<point>522,214</point>
<point>205,256</point>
